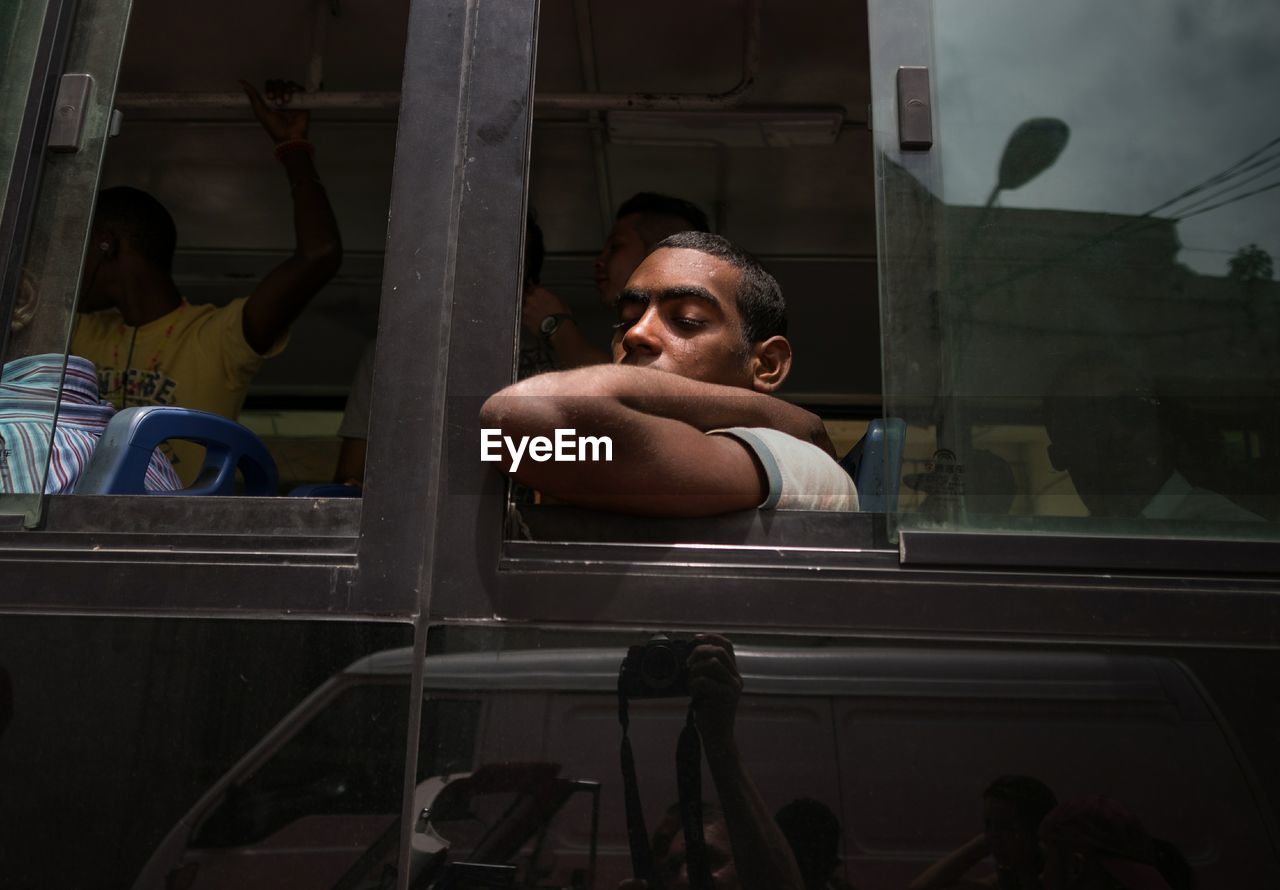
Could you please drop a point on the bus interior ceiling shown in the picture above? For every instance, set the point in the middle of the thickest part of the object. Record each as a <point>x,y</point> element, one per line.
<point>782,166</point>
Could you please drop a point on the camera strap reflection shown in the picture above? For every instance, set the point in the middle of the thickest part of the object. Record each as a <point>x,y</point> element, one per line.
<point>689,780</point>
<point>689,783</point>
<point>637,834</point>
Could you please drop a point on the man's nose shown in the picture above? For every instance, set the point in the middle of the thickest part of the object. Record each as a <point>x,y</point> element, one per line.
<point>644,335</point>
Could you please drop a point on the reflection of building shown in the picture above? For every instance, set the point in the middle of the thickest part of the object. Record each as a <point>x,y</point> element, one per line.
<point>1028,287</point>
<point>1039,286</point>
<point>1017,293</point>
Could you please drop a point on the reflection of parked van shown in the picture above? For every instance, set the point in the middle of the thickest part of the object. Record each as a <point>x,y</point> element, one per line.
<point>898,742</point>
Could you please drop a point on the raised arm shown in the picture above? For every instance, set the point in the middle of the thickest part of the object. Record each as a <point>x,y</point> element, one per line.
<point>761,853</point>
<point>662,463</point>
<point>317,254</point>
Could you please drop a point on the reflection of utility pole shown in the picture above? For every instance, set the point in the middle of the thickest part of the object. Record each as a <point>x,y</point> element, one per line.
<point>1032,148</point>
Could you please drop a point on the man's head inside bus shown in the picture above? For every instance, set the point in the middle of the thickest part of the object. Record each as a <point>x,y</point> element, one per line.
<point>1106,431</point>
<point>130,260</point>
<point>813,833</point>
<point>1012,809</point>
<point>702,308</point>
<point>642,221</point>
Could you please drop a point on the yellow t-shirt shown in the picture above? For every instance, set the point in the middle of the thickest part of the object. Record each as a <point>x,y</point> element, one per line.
<point>193,357</point>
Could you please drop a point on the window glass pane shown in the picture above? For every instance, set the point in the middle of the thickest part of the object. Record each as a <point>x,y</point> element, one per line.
<point>203,753</point>
<point>20,24</point>
<point>1097,348</point>
<point>50,279</point>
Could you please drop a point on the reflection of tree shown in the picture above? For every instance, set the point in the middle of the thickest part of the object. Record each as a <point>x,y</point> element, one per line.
<point>1251,263</point>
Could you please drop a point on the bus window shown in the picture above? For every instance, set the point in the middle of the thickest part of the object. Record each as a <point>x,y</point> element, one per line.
<point>1063,350</point>
<point>248,222</point>
<point>1095,349</point>
<point>646,127</point>
<point>237,228</point>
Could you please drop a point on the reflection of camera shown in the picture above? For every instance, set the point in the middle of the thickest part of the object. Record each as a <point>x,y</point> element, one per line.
<point>656,669</point>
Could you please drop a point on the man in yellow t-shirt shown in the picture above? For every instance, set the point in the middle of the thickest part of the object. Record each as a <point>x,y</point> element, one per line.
<point>151,346</point>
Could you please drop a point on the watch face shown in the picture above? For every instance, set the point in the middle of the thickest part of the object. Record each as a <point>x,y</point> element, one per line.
<point>549,324</point>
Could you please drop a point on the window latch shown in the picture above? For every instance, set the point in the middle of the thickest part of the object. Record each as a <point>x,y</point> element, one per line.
<point>915,109</point>
<point>69,111</point>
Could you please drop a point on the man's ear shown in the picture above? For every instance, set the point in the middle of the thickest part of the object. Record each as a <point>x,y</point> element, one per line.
<point>770,363</point>
<point>105,243</point>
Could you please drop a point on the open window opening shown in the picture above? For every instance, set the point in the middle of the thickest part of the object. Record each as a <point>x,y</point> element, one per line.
<point>731,118</point>
<point>191,137</point>
<point>230,205</point>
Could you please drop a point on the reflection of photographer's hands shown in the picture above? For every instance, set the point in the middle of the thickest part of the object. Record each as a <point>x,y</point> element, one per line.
<point>714,685</point>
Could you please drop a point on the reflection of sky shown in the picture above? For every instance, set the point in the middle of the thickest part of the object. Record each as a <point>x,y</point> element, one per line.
<point>1159,95</point>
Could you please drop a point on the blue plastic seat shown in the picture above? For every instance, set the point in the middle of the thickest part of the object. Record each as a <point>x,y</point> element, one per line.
<point>875,464</point>
<point>119,462</point>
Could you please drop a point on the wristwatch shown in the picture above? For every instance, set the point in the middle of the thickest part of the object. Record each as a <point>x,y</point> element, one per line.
<point>552,322</point>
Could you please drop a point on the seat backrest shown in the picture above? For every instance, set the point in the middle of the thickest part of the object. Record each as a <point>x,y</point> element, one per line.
<point>119,462</point>
<point>875,463</point>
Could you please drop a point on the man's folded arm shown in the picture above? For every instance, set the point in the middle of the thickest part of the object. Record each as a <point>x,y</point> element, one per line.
<point>704,406</point>
<point>662,462</point>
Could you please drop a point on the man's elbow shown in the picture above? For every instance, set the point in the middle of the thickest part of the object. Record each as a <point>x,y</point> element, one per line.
<point>519,414</point>
<point>493,413</point>
<point>323,259</point>
<point>320,256</point>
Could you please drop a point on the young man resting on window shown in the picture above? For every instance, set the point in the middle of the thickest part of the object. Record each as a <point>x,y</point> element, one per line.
<point>687,405</point>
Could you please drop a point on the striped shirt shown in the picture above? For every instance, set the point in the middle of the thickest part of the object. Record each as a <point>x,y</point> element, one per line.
<point>30,390</point>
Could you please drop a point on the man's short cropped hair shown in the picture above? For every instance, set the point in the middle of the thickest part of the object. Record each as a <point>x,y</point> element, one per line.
<point>662,215</point>
<point>760,303</point>
<point>141,220</point>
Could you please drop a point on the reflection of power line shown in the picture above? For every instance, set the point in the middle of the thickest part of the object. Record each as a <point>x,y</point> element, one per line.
<point>1249,162</point>
<point>1264,169</point>
<point>1242,165</point>
<point>1253,160</point>
<point>1250,194</point>
<point>1143,221</point>
<point>1186,248</point>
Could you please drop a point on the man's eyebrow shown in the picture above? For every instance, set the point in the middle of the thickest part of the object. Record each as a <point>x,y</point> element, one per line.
<point>631,295</point>
<point>689,291</point>
<point>676,292</point>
